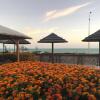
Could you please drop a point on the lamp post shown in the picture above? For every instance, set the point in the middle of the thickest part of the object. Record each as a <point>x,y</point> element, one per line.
<point>89,29</point>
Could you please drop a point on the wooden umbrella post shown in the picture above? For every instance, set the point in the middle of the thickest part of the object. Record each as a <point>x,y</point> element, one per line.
<point>52,52</point>
<point>17,50</point>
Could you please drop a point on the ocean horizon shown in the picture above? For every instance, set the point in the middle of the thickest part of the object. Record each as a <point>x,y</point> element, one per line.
<point>66,50</point>
<point>60,50</point>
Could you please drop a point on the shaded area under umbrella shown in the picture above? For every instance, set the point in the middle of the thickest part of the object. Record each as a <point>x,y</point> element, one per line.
<point>22,41</point>
<point>3,45</point>
<point>52,38</point>
<point>95,37</point>
<point>9,34</point>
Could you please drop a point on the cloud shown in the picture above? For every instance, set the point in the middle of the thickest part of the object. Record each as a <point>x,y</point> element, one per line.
<point>50,13</point>
<point>60,13</point>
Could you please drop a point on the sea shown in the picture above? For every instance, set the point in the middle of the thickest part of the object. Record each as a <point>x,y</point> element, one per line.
<point>67,50</point>
<point>61,50</point>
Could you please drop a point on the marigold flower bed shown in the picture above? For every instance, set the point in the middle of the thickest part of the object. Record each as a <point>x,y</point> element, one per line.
<point>45,81</point>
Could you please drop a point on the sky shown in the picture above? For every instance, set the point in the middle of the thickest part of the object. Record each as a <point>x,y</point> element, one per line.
<point>38,18</point>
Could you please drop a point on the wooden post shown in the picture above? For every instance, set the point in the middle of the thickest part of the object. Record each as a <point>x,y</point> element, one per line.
<point>52,52</point>
<point>17,50</point>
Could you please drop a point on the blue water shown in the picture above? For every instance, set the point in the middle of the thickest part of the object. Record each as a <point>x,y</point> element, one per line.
<point>70,50</point>
<point>63,50</point>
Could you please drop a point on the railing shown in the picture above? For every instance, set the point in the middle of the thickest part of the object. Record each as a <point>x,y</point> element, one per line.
<point>83,59</point>
<point>11,57</point>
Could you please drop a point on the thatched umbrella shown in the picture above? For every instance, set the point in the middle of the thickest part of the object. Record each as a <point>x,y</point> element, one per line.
<point>6,33</point>
<point>95,37</point>
<point>22,41</point>
<point>52,38</point>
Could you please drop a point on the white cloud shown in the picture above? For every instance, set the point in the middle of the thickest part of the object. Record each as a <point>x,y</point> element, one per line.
<point>60,13</point>
<point>50,13</point>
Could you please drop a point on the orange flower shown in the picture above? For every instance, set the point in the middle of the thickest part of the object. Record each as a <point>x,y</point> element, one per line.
<point>91,97</point>
<point>59,97</point>
<point>24,79</point>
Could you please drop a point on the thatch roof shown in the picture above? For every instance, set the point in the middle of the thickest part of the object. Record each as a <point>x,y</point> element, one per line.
<point>7,33</point>
<point>52,38</point>
<point>23,41</point>
<point>95,37</point>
